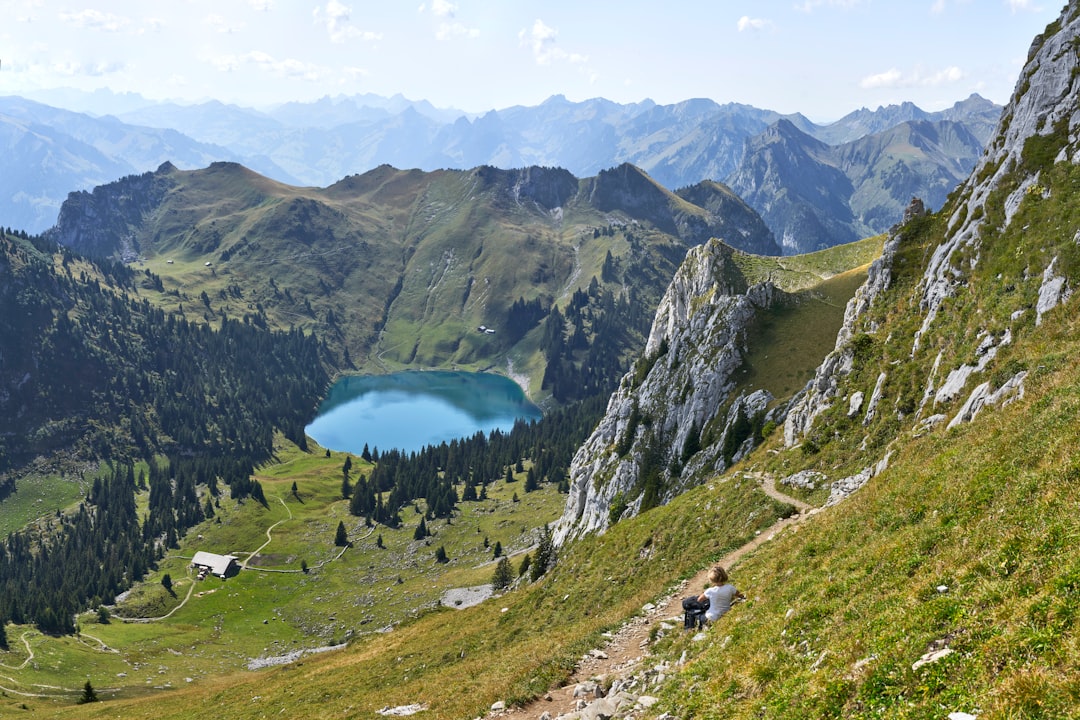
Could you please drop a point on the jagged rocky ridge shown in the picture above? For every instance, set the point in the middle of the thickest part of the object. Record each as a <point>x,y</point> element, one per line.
<point>1038,129</point>
<point>678,396</point>
<point>814,195</point>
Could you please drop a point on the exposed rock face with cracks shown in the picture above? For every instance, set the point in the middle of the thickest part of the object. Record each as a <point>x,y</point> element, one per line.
<point>684,382</point>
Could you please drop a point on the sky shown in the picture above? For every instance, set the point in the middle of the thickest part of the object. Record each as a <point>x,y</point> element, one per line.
<point>823,58</point>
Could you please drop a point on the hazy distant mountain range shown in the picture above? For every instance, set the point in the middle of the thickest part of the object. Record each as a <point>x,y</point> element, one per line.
<point>813,195</point>
<point>52,152</point>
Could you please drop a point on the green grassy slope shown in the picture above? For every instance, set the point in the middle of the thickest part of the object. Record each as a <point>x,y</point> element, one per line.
<point>461,661</point>
<point>205,629</point>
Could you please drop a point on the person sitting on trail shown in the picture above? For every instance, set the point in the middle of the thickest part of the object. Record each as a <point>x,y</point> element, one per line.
<point>711,605</point>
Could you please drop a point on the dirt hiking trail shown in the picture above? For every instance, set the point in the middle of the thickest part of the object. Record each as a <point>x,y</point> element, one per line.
<point>627,650</point>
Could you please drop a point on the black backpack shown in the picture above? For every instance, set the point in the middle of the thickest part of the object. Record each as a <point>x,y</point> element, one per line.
<point>694,613</point>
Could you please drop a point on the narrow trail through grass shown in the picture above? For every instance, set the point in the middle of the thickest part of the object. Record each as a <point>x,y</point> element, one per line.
<point>191,590</point>
<point>29,653</point>
<point>628,648</point>
<point>269,536</point>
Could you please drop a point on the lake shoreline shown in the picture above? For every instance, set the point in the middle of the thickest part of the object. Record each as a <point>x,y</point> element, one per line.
<point>414,409</point>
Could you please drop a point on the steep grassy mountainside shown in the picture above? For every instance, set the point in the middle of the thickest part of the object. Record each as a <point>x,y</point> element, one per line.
<point>397,268</point>
<point>815,195</point>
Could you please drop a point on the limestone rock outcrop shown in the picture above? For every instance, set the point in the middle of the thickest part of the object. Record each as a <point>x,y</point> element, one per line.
<point>676,412</point>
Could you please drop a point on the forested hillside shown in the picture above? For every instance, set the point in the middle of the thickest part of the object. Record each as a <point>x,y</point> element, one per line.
<point>92,370</point>
<point>93,367</point>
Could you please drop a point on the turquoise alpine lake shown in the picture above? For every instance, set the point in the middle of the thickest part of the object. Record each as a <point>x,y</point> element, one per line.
<point>411,410</point>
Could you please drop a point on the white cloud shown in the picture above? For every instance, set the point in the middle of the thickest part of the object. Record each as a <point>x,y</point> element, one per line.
<point>1015,5</point>
<point>541,38</point>
<point>442,8</point>
<point>889,78</point>
<point>261,5</point>
<point>456,29</point>
<point>336,16</point>
<point>288,67</point>
<point>938,7</point>
<point>93,69</point>
<point>95,20</point>
<point>449,26</point>
<point>748,23</point>
<point>220,24</point>
<point>893,78</point>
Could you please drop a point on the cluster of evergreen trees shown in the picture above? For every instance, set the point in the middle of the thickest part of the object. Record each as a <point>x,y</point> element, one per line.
<point>101,369</point>
<point>436,472</point>
<point>86,558</point>
<point>586,348</point>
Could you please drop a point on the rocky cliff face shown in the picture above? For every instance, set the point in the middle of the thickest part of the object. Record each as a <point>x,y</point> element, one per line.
<point>1039,123</point>
<point>103,223</point>
<point>926,344</point>
<point>955,357</point>
<point>675,413</point>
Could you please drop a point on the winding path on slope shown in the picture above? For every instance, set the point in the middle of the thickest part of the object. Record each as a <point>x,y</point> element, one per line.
<point>191,589</point>
<point>29,653</point>
<point>269,536</point>
<point>628,648</point>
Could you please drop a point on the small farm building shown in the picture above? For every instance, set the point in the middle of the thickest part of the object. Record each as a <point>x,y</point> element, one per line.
<point>221,565</point>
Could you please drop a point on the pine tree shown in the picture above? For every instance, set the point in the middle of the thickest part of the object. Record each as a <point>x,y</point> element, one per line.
<point>526,563</point>
<point>498,547</point>
<point>421,531</point>
<point>346,488</point>
<point>545,554</point>
<point>440,555</point>
<point>166,582</point>
<point>341,538</point>
<point>88,694</point>
<point>503,576</point>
